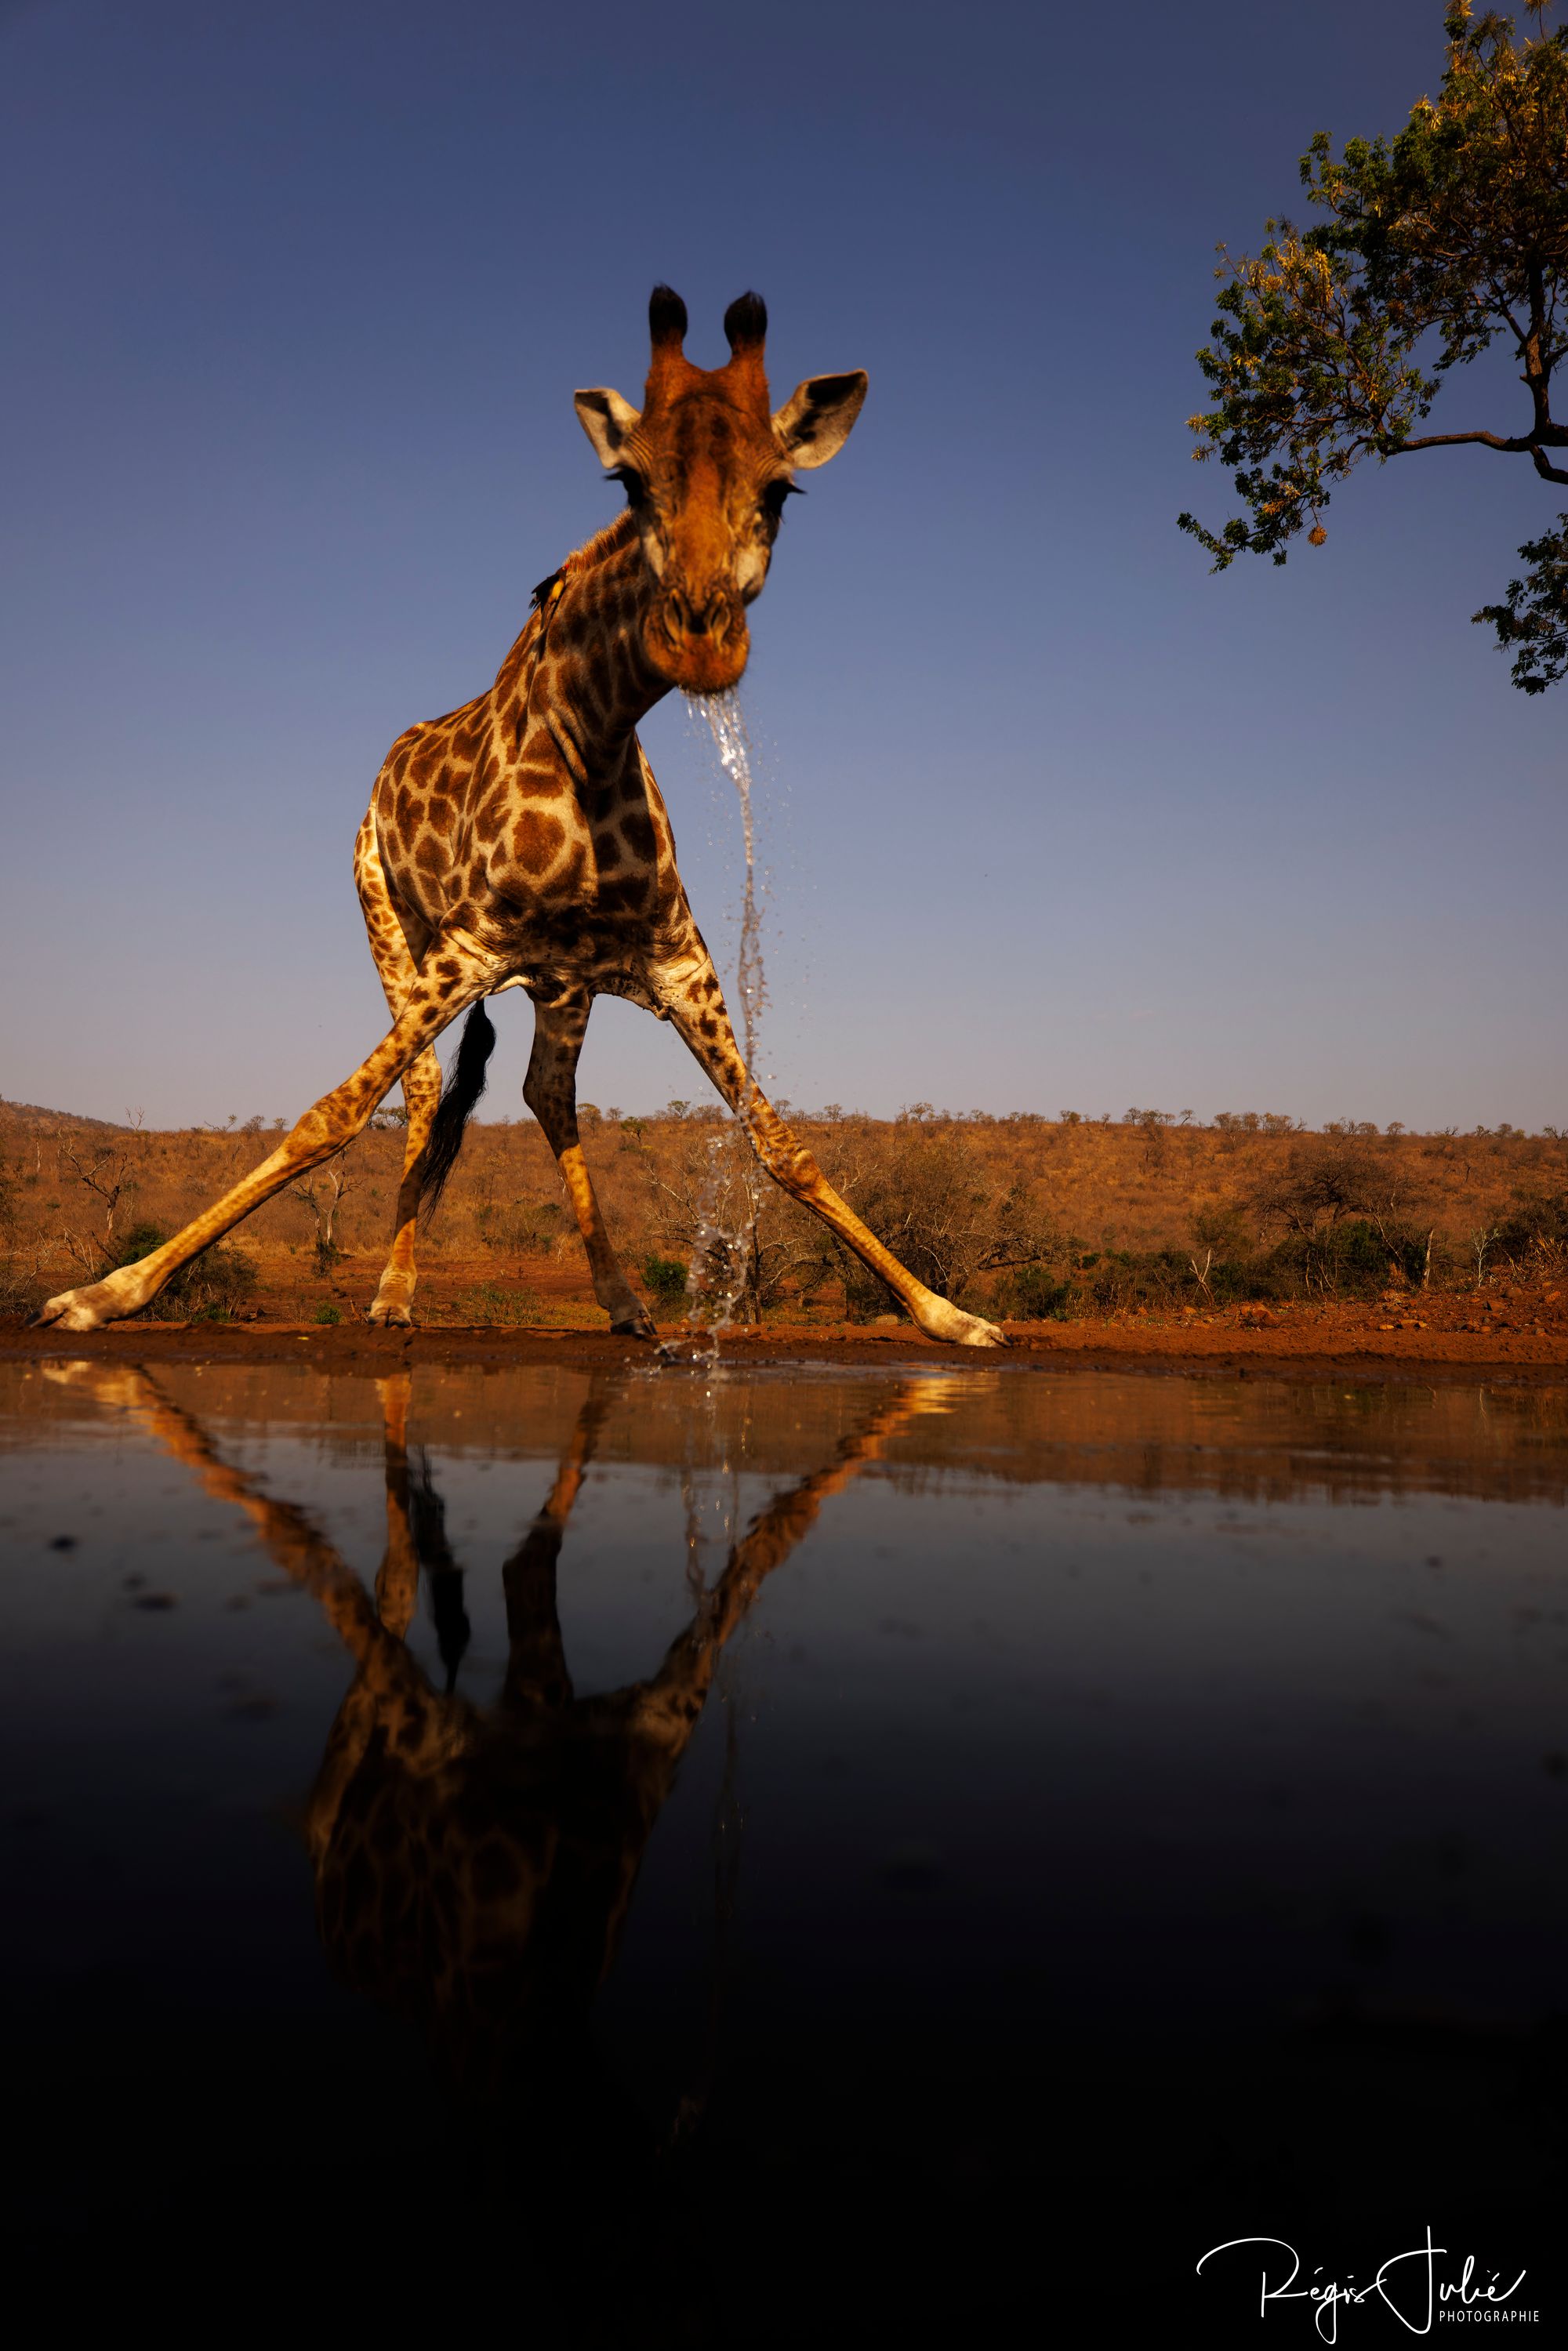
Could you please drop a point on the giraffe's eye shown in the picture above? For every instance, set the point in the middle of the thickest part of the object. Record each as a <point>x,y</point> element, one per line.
<point>774,495</point>
<point>631,482</point>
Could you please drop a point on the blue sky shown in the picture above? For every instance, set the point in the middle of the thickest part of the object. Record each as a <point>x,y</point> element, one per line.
<point>299,296</point>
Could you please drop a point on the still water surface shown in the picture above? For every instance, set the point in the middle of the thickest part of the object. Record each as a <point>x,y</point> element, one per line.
<point>727,1849</point>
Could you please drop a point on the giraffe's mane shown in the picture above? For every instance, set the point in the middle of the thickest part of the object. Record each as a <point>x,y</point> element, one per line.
<point>605,543</point>
<point>611,540</point>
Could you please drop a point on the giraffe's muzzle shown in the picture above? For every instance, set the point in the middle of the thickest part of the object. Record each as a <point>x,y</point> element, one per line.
<point>700,643</point>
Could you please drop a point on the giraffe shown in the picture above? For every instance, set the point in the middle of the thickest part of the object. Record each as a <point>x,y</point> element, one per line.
<point>474,1867</point>
<point>522,841</point>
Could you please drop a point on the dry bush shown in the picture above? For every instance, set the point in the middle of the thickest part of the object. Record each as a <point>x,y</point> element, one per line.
<point>1026,1215</point>
<point>1349,1209</point>
<point>1531,1239</point>
<point>218,1284</point>
<point>929,1194</point>
<point>709,1203</point>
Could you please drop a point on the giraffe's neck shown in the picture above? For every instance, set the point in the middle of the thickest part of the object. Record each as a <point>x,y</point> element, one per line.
<point>593,682</point>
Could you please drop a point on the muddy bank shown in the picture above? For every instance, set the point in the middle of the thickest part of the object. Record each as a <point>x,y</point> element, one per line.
<point>1310,1351</point>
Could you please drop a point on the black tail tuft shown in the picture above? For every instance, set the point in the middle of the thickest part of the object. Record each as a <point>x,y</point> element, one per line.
<point>462,1091</point>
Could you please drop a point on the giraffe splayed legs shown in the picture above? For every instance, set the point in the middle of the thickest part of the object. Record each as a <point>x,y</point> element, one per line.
<point>521,841</point>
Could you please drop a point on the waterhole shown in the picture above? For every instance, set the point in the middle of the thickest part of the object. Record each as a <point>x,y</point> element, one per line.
<point>861,1846</point>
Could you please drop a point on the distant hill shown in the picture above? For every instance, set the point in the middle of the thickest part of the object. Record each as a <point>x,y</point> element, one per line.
<point>31,1114</point>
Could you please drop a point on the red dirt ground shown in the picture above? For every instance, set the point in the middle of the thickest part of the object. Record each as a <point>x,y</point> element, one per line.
<point>1299,1343</point>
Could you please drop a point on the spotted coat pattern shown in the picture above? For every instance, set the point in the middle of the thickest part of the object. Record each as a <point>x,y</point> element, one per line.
<point>528,821</point>
<point>522,842</point>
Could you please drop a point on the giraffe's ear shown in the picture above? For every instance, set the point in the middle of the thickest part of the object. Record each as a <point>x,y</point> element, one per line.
<point>609,421</point>
<point>814,423</point>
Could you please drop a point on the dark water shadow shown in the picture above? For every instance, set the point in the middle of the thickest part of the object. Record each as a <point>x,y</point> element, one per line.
<point>474,1869</point>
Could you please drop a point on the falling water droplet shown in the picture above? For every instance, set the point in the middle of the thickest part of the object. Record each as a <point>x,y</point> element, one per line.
<point>730,741</point>
<point>719,1259</point>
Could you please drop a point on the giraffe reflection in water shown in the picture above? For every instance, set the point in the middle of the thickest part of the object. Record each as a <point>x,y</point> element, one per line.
<point>473,1864</point>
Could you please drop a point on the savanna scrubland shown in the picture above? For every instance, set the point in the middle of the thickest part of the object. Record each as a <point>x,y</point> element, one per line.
<point>1151,1218</point>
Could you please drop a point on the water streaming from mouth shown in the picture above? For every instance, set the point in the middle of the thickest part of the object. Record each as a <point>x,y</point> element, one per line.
<point>726,724</point>
<point>717,1278</point>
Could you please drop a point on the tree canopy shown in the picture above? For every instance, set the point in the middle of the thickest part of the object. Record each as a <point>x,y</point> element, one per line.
<point>1332,344</point>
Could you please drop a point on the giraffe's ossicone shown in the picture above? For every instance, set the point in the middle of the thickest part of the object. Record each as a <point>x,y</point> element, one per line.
<point>522,841</point>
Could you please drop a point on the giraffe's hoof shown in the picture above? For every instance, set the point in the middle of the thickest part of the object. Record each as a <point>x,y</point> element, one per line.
<point>387,1315</point>
<point>960,1330</point>
<point>637,1326</point>
<point>73,1310</point>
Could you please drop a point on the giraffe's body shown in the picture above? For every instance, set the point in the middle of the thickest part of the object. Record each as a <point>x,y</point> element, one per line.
<point>506,823</point>
<point>522,841</point>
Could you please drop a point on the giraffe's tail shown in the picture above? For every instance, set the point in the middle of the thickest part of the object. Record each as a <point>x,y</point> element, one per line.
<point>464,1086</point>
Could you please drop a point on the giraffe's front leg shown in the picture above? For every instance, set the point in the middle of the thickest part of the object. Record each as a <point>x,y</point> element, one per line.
<point>549,1090</point>
<point>450,984</point>
<point>690,992</point>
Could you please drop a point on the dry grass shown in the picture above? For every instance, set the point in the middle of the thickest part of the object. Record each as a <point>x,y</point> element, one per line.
<point>1026,1214</point>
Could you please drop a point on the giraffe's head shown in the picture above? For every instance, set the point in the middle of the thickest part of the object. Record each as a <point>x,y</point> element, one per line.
<point>706,467</point>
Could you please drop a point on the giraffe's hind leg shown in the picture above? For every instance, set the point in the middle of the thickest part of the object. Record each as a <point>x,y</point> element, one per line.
<point>398,944</point>
<point>549,1090</point>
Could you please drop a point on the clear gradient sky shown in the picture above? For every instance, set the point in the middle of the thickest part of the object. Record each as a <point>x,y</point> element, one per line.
<point>297,296</point>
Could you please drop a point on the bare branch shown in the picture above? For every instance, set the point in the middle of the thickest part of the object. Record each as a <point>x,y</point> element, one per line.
<point>1523,445</point>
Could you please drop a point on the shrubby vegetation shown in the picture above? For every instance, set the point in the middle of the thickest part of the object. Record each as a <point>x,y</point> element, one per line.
<point>211,1289</point>
<point>930,1194</point>
<point>1022,1215</point>
<point>665,1278</point>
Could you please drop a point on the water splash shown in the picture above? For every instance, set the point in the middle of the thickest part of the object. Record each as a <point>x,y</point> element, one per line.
<point>718,1268</point>
<point>717,1274</point>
